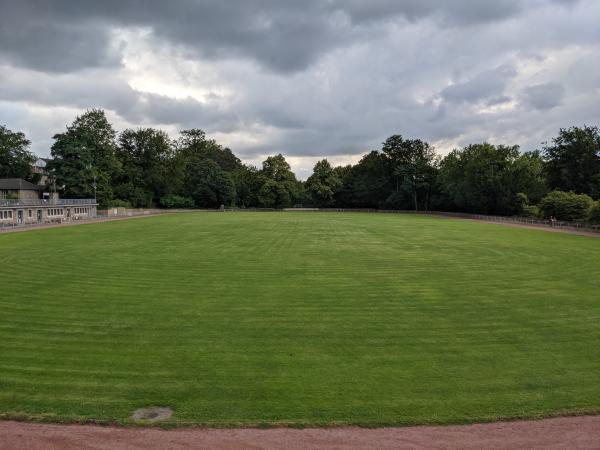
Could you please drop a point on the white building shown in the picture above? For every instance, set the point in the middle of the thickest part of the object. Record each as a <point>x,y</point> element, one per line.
<point>23,203</point>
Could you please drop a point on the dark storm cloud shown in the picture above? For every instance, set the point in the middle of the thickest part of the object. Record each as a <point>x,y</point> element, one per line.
<point>284,36</point>
<point>55,47</point>
<point>305,78</point>
<point>457,11</point>
<point>63,35</point>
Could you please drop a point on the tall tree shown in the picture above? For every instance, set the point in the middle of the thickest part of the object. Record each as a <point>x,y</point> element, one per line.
<point>15,158</point>
<point>278,185</point>
<point>84,160</point>
<point>366,184</point>
<point>146,166</point>
<point>193,142</point>
<point>573,161</point>
<point>323,185</point>
<point>413,166</point>
<point>484,178</point>
<point>247,184</point>
<point>208,185</point>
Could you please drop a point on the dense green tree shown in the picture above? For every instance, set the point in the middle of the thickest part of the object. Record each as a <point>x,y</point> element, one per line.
<point>566,206</point>
<point>368,183</point>
<point>84,160</point>
<point>279,187</point>
<point>15,158</point>
<point>573,161</point>
<point>176,201</point>
<point>323,185</point>
<point>594,216</point>
<point>146,166</point>
<point>207,184</point>
<point>527,176</point>
<point>272,194</point>
<point>193,143</point>
<point>247,184</point>
<point>484,178</point>
<point>413,166</point>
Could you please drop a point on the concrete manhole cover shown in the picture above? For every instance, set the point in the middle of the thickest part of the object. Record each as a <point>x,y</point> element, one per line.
<point>152,414</point>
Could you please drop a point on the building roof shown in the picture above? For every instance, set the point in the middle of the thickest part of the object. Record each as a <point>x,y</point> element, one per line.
<point>18,184</point>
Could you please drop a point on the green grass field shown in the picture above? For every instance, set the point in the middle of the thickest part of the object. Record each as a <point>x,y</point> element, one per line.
<point>298,319</point>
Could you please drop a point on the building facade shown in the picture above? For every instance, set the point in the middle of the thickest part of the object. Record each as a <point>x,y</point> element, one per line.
<point>24,203</point>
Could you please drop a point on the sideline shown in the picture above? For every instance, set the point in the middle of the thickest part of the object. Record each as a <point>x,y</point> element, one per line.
<point>541,227</point>
<point>557,433</point>
<point>24,228</point>
<point>562,230</point>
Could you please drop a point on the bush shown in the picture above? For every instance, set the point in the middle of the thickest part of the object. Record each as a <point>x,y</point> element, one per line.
<point>396,200</point>
<point>530,211</point>
<point>120,204</point>
<point>524,209</point>
<point>566,206</point>
<point>594,216</point>
<point>176,201</point>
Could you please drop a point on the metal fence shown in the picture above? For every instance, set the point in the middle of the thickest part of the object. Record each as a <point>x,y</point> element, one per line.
<point>51,222</point>
<point>574,226</point>
<point>46,202</point>
<point>482,217</point>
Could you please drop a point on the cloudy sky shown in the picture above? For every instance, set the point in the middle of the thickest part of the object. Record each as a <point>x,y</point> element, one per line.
<point>309,79</point>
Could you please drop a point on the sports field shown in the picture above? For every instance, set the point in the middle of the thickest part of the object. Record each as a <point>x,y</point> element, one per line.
<point>298,318</point>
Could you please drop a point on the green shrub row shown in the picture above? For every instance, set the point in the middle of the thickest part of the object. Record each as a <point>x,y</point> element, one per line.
<point>567,206</point>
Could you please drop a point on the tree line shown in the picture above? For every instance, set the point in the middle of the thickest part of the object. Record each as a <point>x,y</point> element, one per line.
<point>145,167</point>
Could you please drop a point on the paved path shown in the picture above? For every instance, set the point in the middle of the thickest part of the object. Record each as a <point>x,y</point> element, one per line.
<point>558,433</point>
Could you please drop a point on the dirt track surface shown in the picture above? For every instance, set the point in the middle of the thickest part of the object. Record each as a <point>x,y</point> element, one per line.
<point>559,433</point>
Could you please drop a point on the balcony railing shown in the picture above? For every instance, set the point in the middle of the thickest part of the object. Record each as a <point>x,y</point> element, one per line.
<point>47,202</point>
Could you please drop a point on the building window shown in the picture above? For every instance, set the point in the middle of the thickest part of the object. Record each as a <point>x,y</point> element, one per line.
<point>55,212</point>
<point>30,214</point>
<point>6,215</point>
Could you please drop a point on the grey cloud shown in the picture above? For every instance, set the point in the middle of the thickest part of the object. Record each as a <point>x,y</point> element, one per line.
<point>485,85</point>
<point>186,113</point>
<point>498,100</point>
<point>544,96</point>
<point>314,78</point>
<point>63,35</point>
<point>29,38</point>
<point>100,89</point>
<point>457,11</point>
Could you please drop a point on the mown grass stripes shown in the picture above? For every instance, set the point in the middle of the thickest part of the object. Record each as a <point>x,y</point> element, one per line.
<point>298,318</point>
